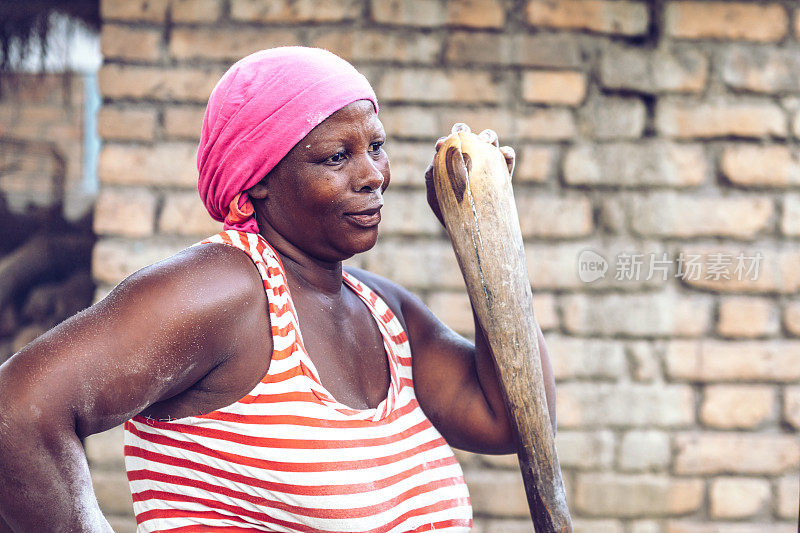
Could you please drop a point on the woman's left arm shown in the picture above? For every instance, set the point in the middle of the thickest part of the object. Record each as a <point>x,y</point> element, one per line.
<point>457,384</point>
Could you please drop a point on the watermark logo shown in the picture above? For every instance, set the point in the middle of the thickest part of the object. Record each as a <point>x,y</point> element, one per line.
<point>685,266</point>
<point>591,266</point>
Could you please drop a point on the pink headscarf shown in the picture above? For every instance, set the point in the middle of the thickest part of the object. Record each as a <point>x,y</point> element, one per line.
<point>264,105</point>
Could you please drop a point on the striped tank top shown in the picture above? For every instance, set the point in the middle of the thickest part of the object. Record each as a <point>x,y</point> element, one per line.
<point>289,457</point>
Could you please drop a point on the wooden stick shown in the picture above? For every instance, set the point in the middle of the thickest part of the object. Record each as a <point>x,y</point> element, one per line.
<point>473,188</point>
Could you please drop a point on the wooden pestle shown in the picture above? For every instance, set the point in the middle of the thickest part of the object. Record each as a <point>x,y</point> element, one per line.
<point>473,187</point>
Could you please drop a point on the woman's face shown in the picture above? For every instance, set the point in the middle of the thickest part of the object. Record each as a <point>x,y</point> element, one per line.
<point>325,195</point>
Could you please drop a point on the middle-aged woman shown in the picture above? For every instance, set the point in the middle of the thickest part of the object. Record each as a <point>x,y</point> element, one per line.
<point>262,386</point>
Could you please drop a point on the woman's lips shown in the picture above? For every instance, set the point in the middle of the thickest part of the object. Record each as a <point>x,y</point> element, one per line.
<point>367,218</point>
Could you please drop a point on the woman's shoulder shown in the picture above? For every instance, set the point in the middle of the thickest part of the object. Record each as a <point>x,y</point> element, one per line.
<point>202,277</point>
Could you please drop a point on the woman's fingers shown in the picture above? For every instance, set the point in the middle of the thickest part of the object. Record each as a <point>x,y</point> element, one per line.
<point>510,156</point>
<point>490,136</point>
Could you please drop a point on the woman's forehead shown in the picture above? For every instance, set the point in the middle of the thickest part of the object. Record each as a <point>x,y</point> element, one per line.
<point>357,118</point>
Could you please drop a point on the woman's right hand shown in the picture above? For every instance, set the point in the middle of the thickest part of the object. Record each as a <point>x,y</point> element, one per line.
<point>487,135</point>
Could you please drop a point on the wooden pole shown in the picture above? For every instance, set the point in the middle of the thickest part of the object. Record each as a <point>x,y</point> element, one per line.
<point>473,188</point>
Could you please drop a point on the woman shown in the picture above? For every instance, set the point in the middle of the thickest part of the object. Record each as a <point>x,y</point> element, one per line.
<point>270,390</point>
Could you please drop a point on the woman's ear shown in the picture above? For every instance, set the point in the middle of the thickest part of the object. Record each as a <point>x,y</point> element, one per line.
<point>259,191</point>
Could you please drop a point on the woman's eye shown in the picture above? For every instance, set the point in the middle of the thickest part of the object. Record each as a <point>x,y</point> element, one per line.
<point>376,146</point>
<point>338,157</point>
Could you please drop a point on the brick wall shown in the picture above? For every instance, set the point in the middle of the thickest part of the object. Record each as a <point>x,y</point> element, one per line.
<point>41,141</point>
<point>658,135</point>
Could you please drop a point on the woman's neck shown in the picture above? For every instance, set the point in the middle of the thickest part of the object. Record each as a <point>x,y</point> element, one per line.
<point>303,271</point>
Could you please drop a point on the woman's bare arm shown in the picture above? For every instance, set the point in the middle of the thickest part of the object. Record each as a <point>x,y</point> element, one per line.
<point>157,334</point>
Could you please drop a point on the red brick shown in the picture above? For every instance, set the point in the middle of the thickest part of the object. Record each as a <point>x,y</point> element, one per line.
<point>761,69</point>
<point>738,497</point>
<point>553,216</point>
<point>534,164</point>
<point>546,124</point>
<point>585,450</point>
<point>409,160</point>
<point>427,13</point>
<point>126,124</point>
<point>554,87</point>
<point>644,450</point>
<point>791,406</point>
<point>582,358</point>
<point>426,265</point>
<point>725,20</point>
<point>166,164</point>
<point>497,493</point>
<point>788,497</point>
<point>602,16</point>
<point>114,259</point>
<point>743,270</point>
<point>407,213</point>
<point>607,494</point>
<point>741,453</point>
<point>125,212</point>
<point>760,166</point>
<point>624,405</point>
<point>665,69</point>
<point>684,526</point>
<point>736,406</point>
<point>184,214</point>
<point>422,85</point>
<point>718,361</point>
<point>134,10</point>
<point>404,121</point>
<point>295,10</point>
<point>684,216</point>
<point>642,314</point>
<point>193,11</point>
<point>791,318</point>
<point>147,83</point>
<point>373,45</point>
<point>747,317</point>
<point>183,122</point>
<point>629,164</point>
<point>687,120</point>
<point>226,44</point>
<point>475,13</point>
<point>499,120</point>
<point>612,118</point>
<point>133,44</point>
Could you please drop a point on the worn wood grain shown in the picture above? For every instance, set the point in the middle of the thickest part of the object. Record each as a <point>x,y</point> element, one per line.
<point>474,191</point>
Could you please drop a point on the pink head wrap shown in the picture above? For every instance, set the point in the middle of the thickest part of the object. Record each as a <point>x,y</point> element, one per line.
<point>264,105</point>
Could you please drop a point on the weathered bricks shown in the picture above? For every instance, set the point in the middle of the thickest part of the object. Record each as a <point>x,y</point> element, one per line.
<point>294,11</point>
<point>739,453</point>
<point>747,317</point>
<point>760,166</point>
<point>736,406</point>
<point>725,20</point>
<point>676,69</point>
<point>738,497</point>
<point>719,361</point>
<point>631,164</point>
<point>608,494</point>
<point>624,18</point>
<point>555,87</point>
<point>686,120</point>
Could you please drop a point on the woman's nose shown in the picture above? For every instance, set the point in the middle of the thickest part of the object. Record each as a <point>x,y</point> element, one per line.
<point>370,177</point>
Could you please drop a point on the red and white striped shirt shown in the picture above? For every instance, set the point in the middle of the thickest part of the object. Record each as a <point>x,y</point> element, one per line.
<point>288,456</point>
